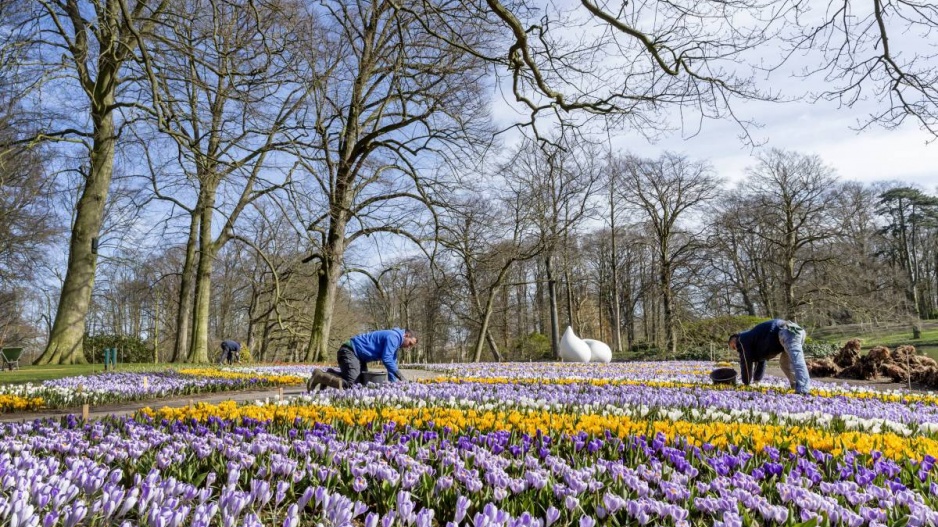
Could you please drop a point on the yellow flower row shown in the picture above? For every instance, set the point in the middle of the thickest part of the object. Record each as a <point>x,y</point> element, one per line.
<point>925,398</point>
<point>222,374</point>
<point>18,404</point>
<point>755,437</point>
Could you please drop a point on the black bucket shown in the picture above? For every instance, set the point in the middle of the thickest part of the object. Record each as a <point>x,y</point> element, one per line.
<point>377,377</point>
<point>723,376</point>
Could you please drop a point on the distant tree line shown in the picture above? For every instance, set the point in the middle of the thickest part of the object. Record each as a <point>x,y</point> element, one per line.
<point>666,257</point>
<point>176,172</point>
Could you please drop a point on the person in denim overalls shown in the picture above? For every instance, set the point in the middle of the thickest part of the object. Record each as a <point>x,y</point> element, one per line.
<point>770,339</point>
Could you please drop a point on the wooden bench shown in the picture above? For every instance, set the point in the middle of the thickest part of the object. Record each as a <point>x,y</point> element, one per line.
<point>11,358</point>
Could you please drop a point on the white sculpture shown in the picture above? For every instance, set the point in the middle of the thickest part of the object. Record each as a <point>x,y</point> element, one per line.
<point>572,347</point>
<point>599,351</point>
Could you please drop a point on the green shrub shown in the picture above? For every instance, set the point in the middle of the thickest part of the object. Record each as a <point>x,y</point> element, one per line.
<point>245,355</point>
<point>129,348</point>
<point>819,350</point>
<point>694,353</point>
<point>532,346</point>
<point>720,353</point>
<point>645,351</point>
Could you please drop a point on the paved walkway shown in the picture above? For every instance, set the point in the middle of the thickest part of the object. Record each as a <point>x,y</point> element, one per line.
<point>129,408</point>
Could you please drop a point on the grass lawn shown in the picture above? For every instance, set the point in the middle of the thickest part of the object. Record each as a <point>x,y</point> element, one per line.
<point>37,374</point>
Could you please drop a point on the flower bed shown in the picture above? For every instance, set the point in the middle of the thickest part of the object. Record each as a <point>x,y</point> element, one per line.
<point>505,451</point>
<point>120,387</point>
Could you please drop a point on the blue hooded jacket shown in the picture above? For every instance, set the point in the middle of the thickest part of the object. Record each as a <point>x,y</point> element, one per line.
<point>380,345</point>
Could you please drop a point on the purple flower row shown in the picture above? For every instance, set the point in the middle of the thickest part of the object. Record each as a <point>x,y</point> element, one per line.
<point>251,473</point>
<point>127,386</point>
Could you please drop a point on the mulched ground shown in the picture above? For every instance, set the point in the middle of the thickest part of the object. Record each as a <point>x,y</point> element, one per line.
<point>902,366</point>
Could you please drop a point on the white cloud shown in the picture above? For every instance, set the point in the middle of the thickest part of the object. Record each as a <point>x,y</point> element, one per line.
<point>875,154</point>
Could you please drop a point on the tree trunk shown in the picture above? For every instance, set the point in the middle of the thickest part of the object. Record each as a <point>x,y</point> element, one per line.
<point>573,318</point>
<point>493,346</point>
<point>156,327</point>
<point>538,308</point>
<point>506,318</point>
<point>253,307</point>
<point>484,330</point>
<point>68,330</point>
<point>790,283</point>
<point>198,352</point>
<point>184,315</point>
<point>667,306</point>
<point>616,306</point>
<point>329,275</point>
<point>552,308</point>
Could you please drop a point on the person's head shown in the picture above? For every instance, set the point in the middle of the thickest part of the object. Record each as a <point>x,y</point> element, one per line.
<point>410,339</point>
<point>732,341</point>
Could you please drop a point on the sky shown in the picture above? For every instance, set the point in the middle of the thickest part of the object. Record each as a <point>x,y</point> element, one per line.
<point>905,154</point>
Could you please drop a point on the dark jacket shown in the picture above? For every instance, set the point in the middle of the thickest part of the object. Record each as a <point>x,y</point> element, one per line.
<point>230,345</point>
<point>758,345</point>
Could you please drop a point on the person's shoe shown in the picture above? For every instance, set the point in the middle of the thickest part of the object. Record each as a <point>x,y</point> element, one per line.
<point>315,381</point>
<point>321,379</point>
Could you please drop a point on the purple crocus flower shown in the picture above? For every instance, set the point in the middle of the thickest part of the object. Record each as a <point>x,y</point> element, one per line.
<point>293,516</point>
<point>75,513</point>
<point>551,515</point>
<point>462,506</point>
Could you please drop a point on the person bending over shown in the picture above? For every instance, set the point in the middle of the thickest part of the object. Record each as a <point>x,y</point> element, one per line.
<point>229,351</point>
<point>767,340</point>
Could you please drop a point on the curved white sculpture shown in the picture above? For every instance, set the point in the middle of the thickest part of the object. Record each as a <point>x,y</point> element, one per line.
<point>599,351</point>
<point>572,347</point>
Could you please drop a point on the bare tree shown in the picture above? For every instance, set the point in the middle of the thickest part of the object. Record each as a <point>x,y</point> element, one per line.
<point>667,191</point>
<point>27,219</point>
<point>858,284</point>
<point>742,258</point>
<point>390,91</point>
<point>629,60</point>
<point>792,192</point>
<point>881,50</point>
<point>632,60</point>
<point>225,89</point>
<point>96,39</point>
<point>486,237</point>
<point>556,179</point>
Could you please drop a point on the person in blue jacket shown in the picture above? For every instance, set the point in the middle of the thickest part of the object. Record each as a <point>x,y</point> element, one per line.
<point>355,354</point>
<point>767,340</point>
